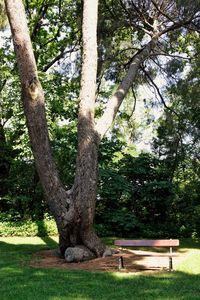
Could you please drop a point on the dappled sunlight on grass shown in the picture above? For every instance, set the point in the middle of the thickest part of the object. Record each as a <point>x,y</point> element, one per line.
<point>73,298</point>
<point>40,273</point>
<point>11,270</point>
<point>119,275</point>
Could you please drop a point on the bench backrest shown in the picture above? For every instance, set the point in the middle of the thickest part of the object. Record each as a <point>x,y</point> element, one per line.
<point>147,243</point>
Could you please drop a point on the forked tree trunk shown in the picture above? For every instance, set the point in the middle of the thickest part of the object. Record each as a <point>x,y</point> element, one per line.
<point>73,210</point>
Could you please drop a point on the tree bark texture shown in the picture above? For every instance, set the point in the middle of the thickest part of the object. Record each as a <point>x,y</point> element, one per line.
<point>84,190</point>
<point>33,101</point>
<point>74,209</point>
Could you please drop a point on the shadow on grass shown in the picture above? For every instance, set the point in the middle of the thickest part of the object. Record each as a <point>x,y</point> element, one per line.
<point>19,281</point>
<point>43,234</point>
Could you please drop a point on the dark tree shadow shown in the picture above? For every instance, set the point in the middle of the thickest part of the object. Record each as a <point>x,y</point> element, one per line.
<point>43,234</point>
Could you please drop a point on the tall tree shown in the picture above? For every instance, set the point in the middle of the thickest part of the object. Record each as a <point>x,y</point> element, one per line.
<point>74,209</point>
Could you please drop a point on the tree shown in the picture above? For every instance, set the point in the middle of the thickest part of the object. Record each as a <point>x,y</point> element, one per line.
<point>74,209</point>
<point>49,44</point>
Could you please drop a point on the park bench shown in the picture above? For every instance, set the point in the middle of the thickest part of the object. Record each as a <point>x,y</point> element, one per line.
<point>149,243</point>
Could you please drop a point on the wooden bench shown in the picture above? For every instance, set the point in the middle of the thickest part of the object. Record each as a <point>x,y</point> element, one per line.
<point>149,243</point>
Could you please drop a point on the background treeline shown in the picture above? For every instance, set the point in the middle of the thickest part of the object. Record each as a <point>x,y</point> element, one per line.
<point>136,197</point>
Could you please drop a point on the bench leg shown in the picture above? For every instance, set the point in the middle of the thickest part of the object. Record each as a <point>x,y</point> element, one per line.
<point>170,264</point>
<point>121,263</point>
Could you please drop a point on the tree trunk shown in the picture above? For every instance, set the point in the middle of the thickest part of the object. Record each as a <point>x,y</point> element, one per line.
<point>74,209</point>
<point>84,190</point>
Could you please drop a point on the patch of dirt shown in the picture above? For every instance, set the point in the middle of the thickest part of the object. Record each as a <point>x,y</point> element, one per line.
<point>134,261</point>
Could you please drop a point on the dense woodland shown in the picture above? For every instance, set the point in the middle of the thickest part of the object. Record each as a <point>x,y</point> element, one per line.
<point>141,193</point>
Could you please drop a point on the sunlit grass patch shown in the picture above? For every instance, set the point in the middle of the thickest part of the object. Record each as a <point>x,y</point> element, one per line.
<point>191,264</point>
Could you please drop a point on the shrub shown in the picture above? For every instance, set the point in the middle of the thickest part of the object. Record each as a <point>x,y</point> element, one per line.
<point>28,228</point>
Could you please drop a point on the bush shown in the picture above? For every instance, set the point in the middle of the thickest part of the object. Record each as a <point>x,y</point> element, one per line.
<point>45,227</point>
<point>118,222</point>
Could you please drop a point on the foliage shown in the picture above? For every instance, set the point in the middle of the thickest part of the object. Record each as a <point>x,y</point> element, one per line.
<point>136,196</point>
<point>42,228</point>
<point>178,140</point>
<point>24,198</point>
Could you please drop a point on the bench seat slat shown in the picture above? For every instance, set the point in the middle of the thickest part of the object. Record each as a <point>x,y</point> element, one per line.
<point>147,243</point>
<point>158,254</point>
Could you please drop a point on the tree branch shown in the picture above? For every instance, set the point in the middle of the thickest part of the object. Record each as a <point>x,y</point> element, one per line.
<point>158,91</point>
<point>171,55</point>
<point>161,12</point>
<point>43,9</point>
<point>52,39</point>
<point>176,26</point>
<point>161,68</point>
<point>3,84</point>
<point>59,8</point>
<point>104,123</point>
<point>59,56</point>
<point>135,100</point>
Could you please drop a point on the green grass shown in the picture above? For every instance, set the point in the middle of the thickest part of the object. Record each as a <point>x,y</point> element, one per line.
<point>19,281</point>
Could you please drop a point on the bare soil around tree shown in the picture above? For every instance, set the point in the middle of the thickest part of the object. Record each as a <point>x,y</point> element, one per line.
<point>134,261</point>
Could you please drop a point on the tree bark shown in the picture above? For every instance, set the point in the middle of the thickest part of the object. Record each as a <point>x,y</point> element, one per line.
<point>84,190</point>
<point>74,209</point>
<point>58,198</point>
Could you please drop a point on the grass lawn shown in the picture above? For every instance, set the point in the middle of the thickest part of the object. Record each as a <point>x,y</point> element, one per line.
<point>18,281</point>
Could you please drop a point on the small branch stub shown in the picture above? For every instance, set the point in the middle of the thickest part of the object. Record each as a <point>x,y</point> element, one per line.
<point>33,89</point>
